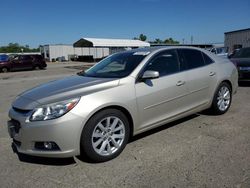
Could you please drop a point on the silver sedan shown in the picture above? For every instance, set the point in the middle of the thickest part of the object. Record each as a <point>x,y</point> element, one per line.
<point>94,113</point>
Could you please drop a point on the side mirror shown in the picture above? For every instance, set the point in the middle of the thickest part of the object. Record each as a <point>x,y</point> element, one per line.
<point>150,75</point>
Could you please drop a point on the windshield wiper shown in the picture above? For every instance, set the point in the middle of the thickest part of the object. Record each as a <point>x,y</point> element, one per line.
<point>81,73</point>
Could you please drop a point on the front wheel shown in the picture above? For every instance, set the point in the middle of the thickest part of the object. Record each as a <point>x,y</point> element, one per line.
<point>105,135</point>
<point>4,69</point>
<point>222,99</point>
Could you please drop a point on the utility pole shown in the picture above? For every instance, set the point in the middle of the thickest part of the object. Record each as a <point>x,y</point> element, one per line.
<point>192,39</point>
<point>183,41</point>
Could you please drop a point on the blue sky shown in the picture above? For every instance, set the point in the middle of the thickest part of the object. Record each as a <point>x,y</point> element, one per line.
<point>36,22</point>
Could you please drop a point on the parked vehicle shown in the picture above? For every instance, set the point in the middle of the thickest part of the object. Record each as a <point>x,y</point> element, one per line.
<point>242,60</point>
<point>22,62</point>
<point>95,112</point>
<point>220,51</point>
<point>3,60</point>
<point>233,53</point>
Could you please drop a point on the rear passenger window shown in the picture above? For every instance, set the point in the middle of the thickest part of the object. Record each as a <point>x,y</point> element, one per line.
<point>193,58</point>
<point>39,57</point>
<point>207,59</point>
<point>24,57</point>
<point>165,63</point>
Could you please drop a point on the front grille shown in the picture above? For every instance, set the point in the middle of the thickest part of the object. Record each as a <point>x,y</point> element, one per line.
<point>22,111</point>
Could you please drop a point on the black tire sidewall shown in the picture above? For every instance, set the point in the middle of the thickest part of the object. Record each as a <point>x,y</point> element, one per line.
<point>4,69</point>
<point>215,109</point>
<point>86,137</point>
<point>36,67</point>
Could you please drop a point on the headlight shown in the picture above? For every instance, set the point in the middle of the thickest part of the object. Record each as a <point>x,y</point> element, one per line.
<point>53,111</point>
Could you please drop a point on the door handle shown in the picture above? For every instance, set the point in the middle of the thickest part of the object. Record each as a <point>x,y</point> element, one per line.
<point>180,83</point>
<point>212,73</point>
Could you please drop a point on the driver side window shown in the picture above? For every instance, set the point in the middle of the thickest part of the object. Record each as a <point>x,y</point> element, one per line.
<point>165,63</point>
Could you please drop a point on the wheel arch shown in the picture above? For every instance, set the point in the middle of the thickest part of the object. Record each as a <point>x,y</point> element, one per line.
<point>117,107</point>
<point>123,110</point>
<point>217,86</point>
<point>228,82</point>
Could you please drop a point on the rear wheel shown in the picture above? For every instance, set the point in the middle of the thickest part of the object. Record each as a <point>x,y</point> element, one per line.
<point>105,135</point>
<point>4,69</point>
<point>36,67</point>
<point>222,99</point>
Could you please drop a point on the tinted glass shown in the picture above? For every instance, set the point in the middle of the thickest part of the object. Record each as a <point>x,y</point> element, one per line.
<point>242,53</point>
<point>4,57</point>
<point>24,57</point>
<point>193,58</point>
<point>116,66</point>
<point>207,59</point>
<point>165,63</point>
<point>37,57</point>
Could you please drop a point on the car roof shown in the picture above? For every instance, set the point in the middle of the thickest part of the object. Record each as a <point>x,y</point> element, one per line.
<point>160,48</point>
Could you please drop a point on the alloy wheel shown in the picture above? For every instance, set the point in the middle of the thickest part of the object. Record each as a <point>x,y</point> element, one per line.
<point>108,136</point>
<point>223,98</point>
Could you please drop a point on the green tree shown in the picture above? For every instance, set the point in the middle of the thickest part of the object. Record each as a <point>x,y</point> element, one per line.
<point>16,48</point>
<point>171,41</point>
<point>158,41</point>
<point>142,37</point>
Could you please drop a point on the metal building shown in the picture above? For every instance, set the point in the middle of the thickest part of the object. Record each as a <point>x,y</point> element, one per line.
<point>237,39</point>
<point>90,48</point>
<point>104,47</point>
<point>55,51</point>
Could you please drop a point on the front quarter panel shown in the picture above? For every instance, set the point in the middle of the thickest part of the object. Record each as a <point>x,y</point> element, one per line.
<point>123,95</point>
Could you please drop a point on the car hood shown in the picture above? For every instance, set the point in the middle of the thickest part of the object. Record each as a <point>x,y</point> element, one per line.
<point>63,89</point>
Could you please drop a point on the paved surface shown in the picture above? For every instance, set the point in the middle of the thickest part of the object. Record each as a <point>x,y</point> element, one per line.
<point>198,151</point>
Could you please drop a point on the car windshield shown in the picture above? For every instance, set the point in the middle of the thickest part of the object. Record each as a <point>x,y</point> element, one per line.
<point>116,66</point>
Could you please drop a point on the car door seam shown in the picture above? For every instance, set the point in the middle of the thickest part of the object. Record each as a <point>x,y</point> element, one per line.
<point>165,101</point>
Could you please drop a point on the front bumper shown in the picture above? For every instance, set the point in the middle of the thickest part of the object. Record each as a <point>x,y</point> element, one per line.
<point>64,131</point>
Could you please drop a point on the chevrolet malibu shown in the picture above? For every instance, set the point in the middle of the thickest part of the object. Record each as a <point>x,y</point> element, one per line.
<point>94,113</point>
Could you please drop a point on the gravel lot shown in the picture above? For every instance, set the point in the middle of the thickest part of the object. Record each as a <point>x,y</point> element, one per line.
<point>197,151</point>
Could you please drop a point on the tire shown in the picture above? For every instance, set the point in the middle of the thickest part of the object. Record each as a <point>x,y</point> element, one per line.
<point>222,99</point>
<point>36,67</point>
<point>102,141</point>
<point>4,69</point>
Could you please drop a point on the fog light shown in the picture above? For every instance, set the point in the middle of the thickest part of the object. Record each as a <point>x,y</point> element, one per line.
<point>49,146</point>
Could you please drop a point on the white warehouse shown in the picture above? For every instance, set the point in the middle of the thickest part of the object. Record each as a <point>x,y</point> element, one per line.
<point>89,48</point>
